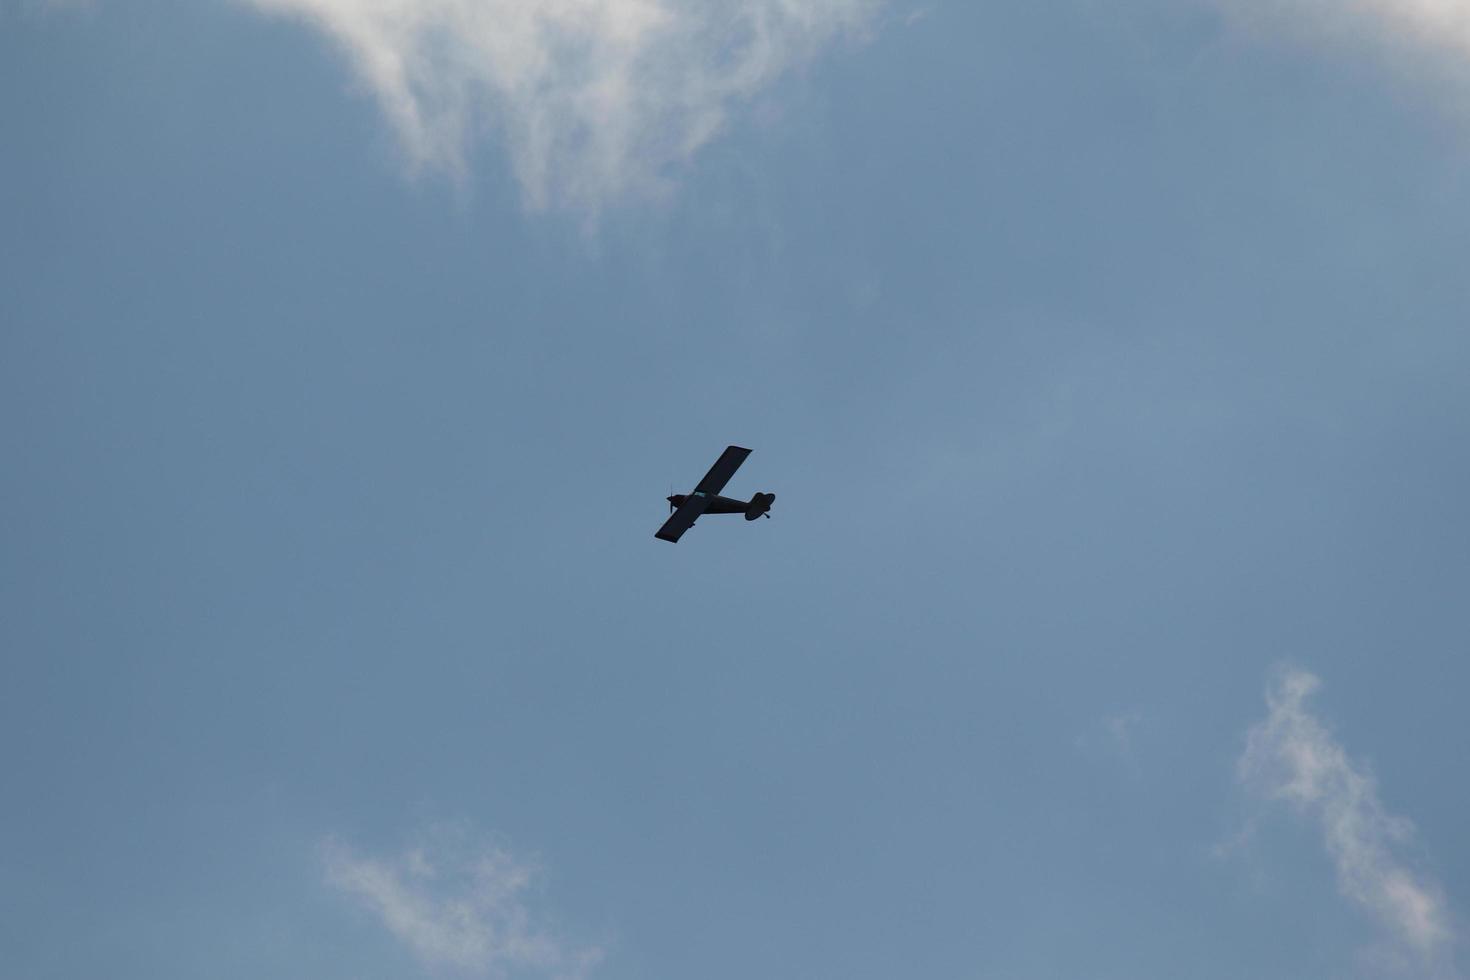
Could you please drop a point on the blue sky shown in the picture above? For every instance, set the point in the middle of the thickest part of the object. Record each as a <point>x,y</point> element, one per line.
<point>1109,365</point>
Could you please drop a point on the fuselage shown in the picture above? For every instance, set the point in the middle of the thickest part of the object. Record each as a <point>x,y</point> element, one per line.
<point>752,508</point>
<point>717,504</point>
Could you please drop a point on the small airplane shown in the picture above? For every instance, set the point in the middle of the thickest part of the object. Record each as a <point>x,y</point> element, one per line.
<point>705,499</point>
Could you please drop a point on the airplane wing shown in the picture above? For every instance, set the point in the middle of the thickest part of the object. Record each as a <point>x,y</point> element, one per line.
<point>687,514</point>
<point>719,474</point>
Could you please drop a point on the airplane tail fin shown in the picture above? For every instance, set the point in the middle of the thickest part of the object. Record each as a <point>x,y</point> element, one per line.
<point>759,505</point>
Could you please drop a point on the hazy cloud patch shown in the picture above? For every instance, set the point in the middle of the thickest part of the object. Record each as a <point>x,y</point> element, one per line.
<point>1411,26</point>
<point>1114,737</point>
<point>1290,756</point>
<point>594,100</point>
<point>457,904</point>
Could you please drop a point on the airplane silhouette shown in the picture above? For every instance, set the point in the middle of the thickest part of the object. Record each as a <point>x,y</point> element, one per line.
<point>685,509</point>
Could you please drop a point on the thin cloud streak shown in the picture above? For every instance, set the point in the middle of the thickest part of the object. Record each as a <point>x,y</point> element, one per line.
<point>595,100</point>
<point>1291,756</point>
<point>457,906</point>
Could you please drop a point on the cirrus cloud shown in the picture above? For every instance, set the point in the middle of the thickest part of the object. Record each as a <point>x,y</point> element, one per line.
<point>458,905</point>
<point>1292,757</point>
<point>594,100</point>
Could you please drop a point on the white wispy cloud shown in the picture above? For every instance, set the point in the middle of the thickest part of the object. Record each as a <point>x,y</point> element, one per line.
<point>593,100</point>
<point>1292,757</point>
<point>457,905</point>
<point>1433,25</point>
